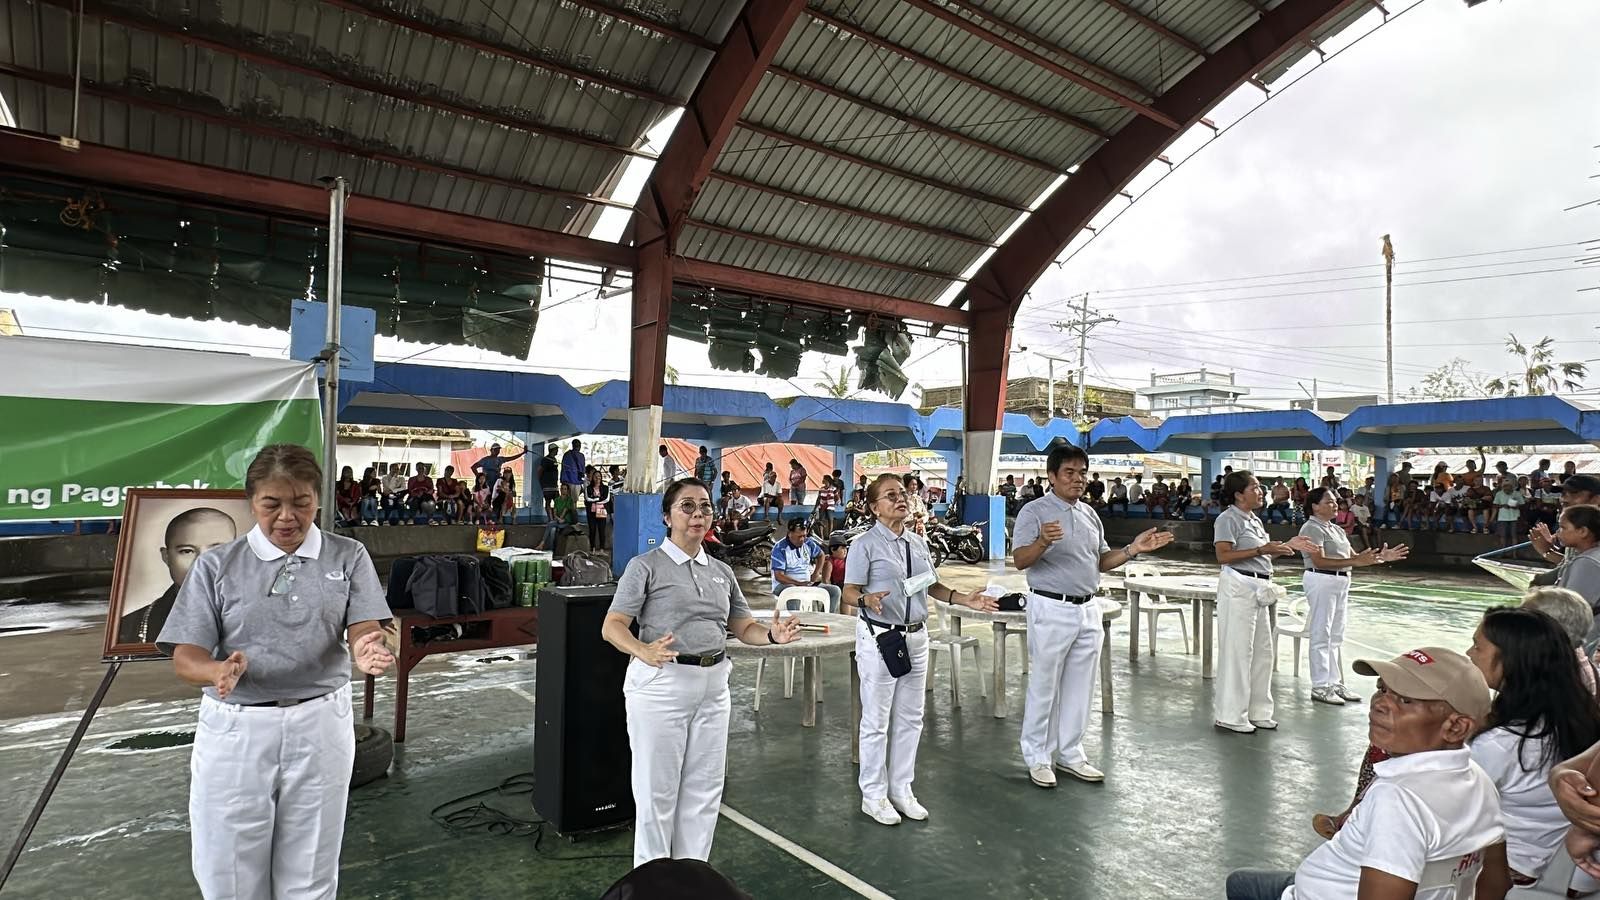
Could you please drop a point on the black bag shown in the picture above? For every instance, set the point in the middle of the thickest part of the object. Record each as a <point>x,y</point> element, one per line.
<point>434,586</point>
<point>891,643</point>
<point>399,575</point>
<point>496,575</point>
<point>469,580</point>
<point>1014,602</point>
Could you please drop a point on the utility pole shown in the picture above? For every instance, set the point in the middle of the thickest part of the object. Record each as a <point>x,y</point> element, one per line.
<point>1087,320</point>
<point>1388,312</point>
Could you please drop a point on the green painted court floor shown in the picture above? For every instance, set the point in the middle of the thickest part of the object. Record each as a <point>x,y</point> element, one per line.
<point>1183,804</point>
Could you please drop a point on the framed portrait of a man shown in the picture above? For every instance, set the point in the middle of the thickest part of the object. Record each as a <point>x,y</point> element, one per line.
<point>163,532</point>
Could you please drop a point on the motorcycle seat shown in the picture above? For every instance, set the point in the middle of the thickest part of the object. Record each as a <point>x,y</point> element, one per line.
<point>744,535</point>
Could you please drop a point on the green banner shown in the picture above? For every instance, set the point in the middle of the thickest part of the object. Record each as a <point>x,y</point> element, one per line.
<point>87,421</point>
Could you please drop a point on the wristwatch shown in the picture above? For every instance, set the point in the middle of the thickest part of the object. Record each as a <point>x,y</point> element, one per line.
<point>770,638</point>
<point>1127,551</point>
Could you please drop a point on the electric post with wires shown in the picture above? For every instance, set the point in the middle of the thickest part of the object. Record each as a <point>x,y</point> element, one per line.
<point>337,192</point>
<point>1087,320</point>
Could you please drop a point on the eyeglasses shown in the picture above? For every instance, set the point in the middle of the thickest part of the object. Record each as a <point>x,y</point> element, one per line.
<point>892,496</point>
<point>284,582</point>
<point>689,508</point>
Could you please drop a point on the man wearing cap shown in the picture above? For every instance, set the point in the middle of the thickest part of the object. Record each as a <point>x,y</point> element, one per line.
<point>1061,544</point>
<point>1431,817</point>
<point>1578,489</point>
<point>490,465</point>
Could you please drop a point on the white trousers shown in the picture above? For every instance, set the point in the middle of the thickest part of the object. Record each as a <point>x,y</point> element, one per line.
<point>267,797</point>
<point>678,730</point>
<point>1244,649</point>
<point>891,716</point>
<point>1328,598</point>
<point>1063,652</point>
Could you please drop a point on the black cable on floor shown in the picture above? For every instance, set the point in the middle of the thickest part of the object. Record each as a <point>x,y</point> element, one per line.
<point>480,817</point>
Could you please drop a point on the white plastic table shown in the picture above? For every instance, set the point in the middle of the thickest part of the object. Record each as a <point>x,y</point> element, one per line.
<point>1002,622</point>
<point>812,646</point>
<point>1200,590</point>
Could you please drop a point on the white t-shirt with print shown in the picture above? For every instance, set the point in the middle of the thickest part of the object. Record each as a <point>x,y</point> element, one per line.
<point>1424,817</point>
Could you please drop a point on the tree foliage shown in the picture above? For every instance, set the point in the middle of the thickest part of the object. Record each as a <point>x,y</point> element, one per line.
<point>1538,372</point>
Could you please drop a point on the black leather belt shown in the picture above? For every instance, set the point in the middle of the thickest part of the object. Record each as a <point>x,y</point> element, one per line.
<point>1329,572</point>
<point>1063,597</point>
<point>284,703</point>
<point>911,628</point>
<point>692,659</point>
<point>1250,574</point>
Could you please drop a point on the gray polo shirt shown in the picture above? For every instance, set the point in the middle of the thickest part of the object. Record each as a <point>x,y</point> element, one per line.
<point>1245,531</point>
<point>693,598</point>
<point>293,639</point>
<point>1331,538</point>
<point>1581,573</point>
<point>1070,566</point>
<point>877,562</point>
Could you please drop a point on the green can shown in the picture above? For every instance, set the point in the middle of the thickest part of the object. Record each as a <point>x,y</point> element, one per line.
<point>527,591</point>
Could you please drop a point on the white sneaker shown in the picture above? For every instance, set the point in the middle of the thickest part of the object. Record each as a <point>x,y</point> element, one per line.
<point>1083,772</point>
<point>1265,724</point>
<point>1328,695</point>
<point>1346,694</point>
<point>1229,726</point>
<point>910,808</point>
<point>881,811</point>
<point>1042,775</point>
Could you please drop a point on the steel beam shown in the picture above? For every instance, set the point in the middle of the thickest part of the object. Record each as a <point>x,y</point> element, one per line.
<point>385,14</point>
<point>823,251</point>
<point>305,140</point>
<point>648,24</point>
<point>855,159</point>
<point>647,335</point>
<point>956,74</point>
<point>999,287</point>
<point>924,124</point>
<point>971,26</point>
<point>811,293</point>
<point>807,200</point>
<point>1128,10</point>
<point>988,358</point>
<point>42,157</point>
<point>709,118</point>
<point>108,14</point>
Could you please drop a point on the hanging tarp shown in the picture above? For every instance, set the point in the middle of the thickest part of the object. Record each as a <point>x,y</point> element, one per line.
<point>86,421</point>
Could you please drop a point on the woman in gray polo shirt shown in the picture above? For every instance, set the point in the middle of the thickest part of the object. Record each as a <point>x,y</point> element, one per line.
<point>676,689</point>
<point>1327,584</point>
<point>1243,698</point>
<point>889,576</point>
<point>267,624</point>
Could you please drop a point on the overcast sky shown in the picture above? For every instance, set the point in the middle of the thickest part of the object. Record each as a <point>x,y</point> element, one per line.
<point>1458,131</point>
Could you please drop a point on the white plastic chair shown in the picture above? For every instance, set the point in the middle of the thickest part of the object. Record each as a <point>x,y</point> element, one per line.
<point>1293,622</point>
<point>1154,606</point>
<point>943,641</point>
<point>809,599</point>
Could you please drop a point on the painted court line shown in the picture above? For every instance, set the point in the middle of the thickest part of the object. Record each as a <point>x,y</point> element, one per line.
<point>804,855</point>
<point>777,840</point>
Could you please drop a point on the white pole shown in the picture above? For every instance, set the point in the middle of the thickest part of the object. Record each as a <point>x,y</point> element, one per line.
<point>330,353</point>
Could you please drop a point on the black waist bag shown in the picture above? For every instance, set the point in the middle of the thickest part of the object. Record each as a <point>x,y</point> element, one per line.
<point>1014,602</point>
<point>892,644</point>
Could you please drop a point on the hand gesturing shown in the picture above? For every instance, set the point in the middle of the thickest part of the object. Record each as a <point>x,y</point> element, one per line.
<point>229,671</point>
<point>372,656</point>
<point>658,652</point>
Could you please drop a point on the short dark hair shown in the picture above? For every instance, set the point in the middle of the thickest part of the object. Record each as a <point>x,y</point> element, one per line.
<point>1236,481</point>
<point>798,523</point>
<point>1581,484</point>
<point>676,488</point>
<point>288,461</point>
<point>1061,454</point>
<point>1584,516</point>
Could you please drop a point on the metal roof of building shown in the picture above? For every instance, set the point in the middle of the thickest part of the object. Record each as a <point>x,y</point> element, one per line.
<point>887,147</point>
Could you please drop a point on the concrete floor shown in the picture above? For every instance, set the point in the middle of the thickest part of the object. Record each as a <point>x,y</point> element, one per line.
<point>1183,803</point>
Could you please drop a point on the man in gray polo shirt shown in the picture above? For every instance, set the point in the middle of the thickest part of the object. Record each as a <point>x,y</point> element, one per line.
<point>1061,544</point>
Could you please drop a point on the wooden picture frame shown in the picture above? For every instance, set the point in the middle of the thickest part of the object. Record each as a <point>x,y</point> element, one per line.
<point>145,563</point>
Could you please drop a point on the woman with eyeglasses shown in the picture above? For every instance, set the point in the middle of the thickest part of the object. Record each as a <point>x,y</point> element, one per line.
<point>888,577</point>
<point>676,688</point>
<point>267,625</point>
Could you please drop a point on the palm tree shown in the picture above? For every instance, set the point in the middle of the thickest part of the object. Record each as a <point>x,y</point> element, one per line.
<point>834,384</point>
<point>1540,374</point>
<point>672,375</point>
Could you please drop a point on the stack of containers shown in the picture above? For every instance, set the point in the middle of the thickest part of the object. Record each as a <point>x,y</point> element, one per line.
<point>530,574</point>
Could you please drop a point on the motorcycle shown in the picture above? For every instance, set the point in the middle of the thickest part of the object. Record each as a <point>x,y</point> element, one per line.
<point>965,541</point>
<point>748,547</point>
<point>937,548</point>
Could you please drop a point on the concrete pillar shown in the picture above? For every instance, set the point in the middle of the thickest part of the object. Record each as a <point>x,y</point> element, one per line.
<point>845,461</point>
<point>981,461</point>
<point>1381,462</point>
<point>952,471</point>
<point>1210,468</point>
<point>636,524</point>
<point>532,494</point>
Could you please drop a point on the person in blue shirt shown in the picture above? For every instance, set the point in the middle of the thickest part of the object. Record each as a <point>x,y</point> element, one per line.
<point>490,465</point>
<point>800,561</point>
<point>572,467</point>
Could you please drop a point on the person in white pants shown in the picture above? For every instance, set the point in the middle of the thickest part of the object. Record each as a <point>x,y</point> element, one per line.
<point>263,623</point>
<point>1242,701</point>
<point>676,688</point>
<point>1060,542</point>
<point>888,577</point>
<point>1327,584</point>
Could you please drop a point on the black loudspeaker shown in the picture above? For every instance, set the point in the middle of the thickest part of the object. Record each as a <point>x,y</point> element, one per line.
<point>581,759</point>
